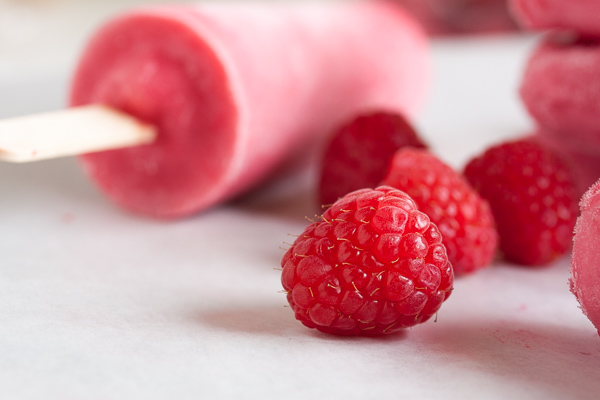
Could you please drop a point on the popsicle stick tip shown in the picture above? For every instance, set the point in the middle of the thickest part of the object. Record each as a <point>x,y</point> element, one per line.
<point>70,132</point>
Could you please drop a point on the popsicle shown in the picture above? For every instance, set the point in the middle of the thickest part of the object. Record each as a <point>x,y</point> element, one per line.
<point>580,16</point>
<point>237,89</point>
<point>561,90</point>
<point>585,264</point>
<point>234,89</point>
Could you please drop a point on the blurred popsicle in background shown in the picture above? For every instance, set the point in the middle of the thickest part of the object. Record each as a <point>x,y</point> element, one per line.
<point>235,90</point>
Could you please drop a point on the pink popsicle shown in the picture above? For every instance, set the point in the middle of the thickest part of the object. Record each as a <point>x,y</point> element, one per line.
<point>236,89</point>
<point>561,90</point>
<point>580,16</point>
<point>585,262</point>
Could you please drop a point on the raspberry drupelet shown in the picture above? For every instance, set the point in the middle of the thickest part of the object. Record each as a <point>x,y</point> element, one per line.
<point>372,265</point>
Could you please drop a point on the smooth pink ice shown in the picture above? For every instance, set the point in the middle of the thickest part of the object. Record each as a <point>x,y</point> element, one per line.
<point>585,262</point>
<point>237,89</point>
<point>580,16</point>
<point>561,90</point>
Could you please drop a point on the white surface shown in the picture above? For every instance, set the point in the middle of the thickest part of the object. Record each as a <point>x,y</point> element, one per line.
<point>99,304</point>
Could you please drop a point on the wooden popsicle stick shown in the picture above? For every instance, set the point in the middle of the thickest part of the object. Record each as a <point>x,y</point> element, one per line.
<point>69,132</point>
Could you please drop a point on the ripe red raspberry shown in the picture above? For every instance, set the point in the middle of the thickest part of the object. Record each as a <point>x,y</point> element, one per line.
<point>532,197</point>
<point>373,265</point>
<point>462,216</point>
<point>359,153</point>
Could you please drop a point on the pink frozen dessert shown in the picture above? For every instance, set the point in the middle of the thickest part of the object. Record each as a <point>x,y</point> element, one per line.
<point>585,262</point>
<point>581,16</point>
<point>561,91</point>
<point>236,89</point>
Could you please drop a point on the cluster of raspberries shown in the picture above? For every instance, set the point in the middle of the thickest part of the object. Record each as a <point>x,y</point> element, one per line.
<point>399,224</point>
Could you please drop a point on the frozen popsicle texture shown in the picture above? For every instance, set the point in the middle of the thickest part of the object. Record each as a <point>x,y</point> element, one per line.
<point>235,89</point>
<point>561,90</point>
<point>581,16</point>
<point>585,262</point>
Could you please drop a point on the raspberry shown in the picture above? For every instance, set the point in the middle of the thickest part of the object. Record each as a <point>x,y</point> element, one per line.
<point>583,165</point>
<point>532,197</point>
<point>462,216</point>
<point>373,265</point>
<point>359,153</point>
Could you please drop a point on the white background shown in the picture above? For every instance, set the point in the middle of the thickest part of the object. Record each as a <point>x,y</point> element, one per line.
<point>98,304</point>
